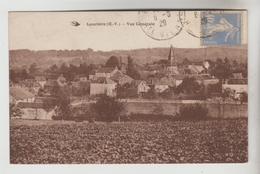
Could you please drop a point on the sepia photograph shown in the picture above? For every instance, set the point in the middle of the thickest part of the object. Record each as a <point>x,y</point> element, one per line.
<point>128,87</point>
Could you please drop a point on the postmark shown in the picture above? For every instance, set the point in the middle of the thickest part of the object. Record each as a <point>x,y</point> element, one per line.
<point>166,24</point>
<point>191,22</point>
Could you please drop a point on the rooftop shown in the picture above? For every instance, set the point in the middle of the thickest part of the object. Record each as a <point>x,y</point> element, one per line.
<point>20,93</point>
<point>105,70</point>
<point>36,105</point>
<point>40,78</point>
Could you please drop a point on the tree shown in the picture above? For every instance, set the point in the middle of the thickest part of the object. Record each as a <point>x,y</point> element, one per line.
<point>14,111</point>
<point>32,69</point>
<point>188,86</point>
<point>222,70</point>
<point>131,70</point>
<point>126,90</point>
<point>151,94</point>
<point>158,109</point>
<point>166,94</point>
<point>49,104</point>
<point>83,112</point>
<point>24,74</point>
<point>193,112</point>
<point>61,99</point>
<point>186,61</point>
<point>243,97</point>
<point>108,108</point>
<point>113,62</point>
<point>228,93</point>
<point>54,69</point>
<point>13,75</point>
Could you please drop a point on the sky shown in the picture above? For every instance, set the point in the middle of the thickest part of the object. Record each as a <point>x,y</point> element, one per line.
<point>53,30</point>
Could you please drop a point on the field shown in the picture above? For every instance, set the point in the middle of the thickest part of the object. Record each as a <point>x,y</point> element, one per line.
<point>53,142</point>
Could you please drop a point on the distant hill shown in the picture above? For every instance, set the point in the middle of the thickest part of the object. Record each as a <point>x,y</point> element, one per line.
<point>46,58</point>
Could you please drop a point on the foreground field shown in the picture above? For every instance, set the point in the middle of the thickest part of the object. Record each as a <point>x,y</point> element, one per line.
<point>212,141</point>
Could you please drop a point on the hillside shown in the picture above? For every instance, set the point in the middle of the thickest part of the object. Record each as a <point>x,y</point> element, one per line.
<point>46,58</point>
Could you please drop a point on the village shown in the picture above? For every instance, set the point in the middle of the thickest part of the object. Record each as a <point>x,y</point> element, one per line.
<point>167,79</point>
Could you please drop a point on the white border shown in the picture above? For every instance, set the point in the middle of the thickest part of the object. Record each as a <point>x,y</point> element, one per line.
<point>253,7</point>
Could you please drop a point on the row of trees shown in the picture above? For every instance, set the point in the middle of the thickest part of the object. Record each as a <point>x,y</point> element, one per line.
<point>70,71</point>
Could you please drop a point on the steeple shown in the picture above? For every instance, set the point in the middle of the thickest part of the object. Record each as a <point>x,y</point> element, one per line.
<point>171,58</point>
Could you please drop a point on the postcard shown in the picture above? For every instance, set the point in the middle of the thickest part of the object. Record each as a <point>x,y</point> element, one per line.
<point>128,87</point>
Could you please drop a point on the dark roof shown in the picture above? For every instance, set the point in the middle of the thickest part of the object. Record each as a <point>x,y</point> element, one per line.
<point>154,67</point>
<point>80,83</point>
<point>40,78</point>
<point>105,70</point>
<point>199,63</point>
<point>20,93</point>
<point>30,105</point>
<point>126,78</point>
<point>178,76</point>
<point>118,75</point>
<point>51,83</point>
<point>103,80</point>
<point>80,76</point>
<point>52,76</point>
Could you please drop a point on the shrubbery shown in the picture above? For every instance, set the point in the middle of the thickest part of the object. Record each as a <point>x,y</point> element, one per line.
<point>107,108</point>
<point>193,112</point>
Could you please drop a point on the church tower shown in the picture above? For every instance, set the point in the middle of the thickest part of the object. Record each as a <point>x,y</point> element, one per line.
<point>172,62</point>
<point>171,58</point>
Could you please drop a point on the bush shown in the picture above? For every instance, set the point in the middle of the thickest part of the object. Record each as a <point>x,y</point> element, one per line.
<point>193,112</point>
<point>14,111</point>
<point>107,108</point>
<point>243,97</point>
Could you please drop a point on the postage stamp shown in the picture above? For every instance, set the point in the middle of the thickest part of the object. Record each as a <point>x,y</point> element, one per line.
<point>221,28</point>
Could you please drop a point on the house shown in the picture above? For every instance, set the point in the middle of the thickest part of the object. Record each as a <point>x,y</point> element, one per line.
<point>160,86</point>
<point>142,86</point>
<point>56,77</point>
<point>237,88</point>
<point>125,79</point>
<point>104,72</point>
<point>54,83</point>
<point>26,83</point>
<point>238,75</point>
<point>172,70</point>
<point>18,94</point>
<point>169,80</point>
<point>35,110</point>
<point>117,75</point>
<point>36,88</point>
<point>238,84</point>
<point>61,80</point>
<point>207,64</point>
<point>103,86</point>
<point>81,78</point>
<point>196,69</point>
<point>41,80</point>
<point>123,68</point>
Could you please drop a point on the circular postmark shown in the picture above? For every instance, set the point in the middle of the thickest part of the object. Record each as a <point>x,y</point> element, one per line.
<point>194,22</point>
<point>160,25</point>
